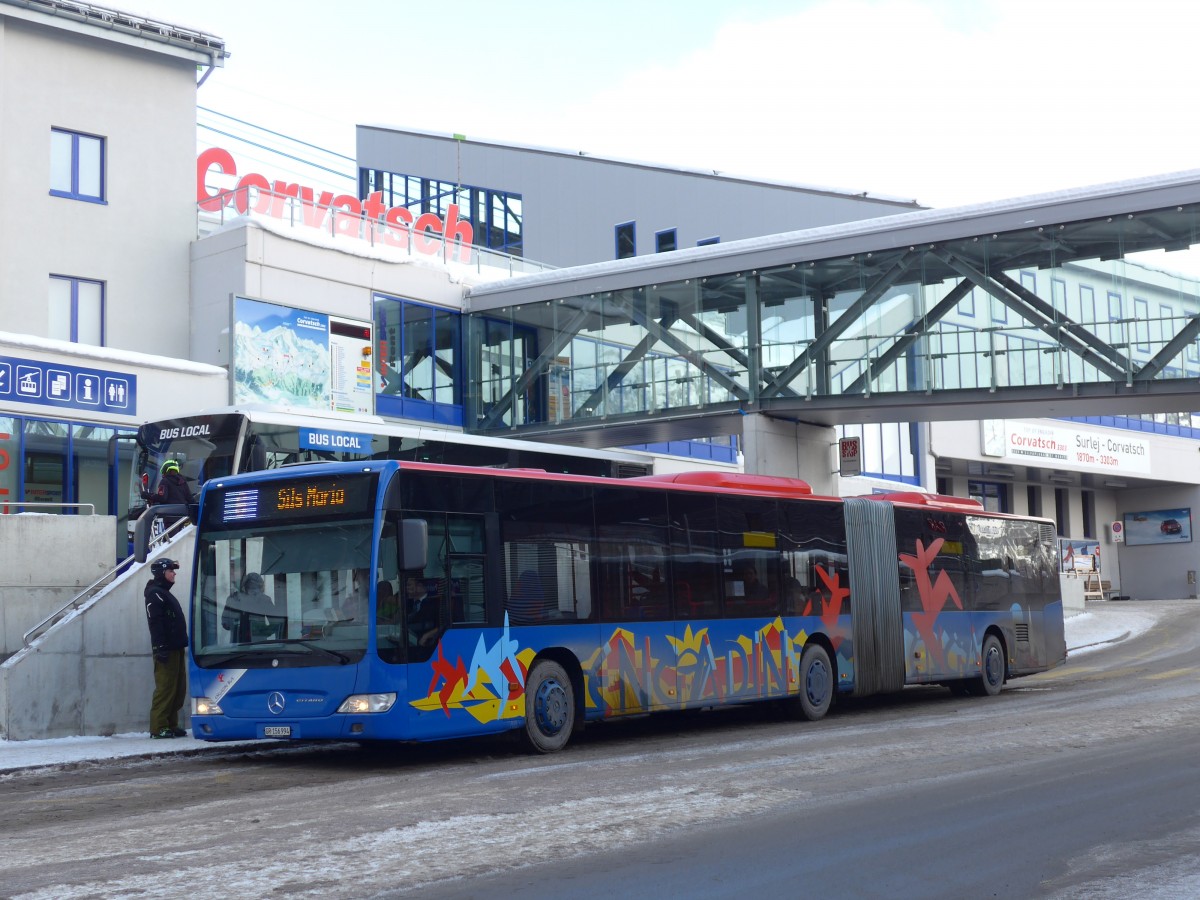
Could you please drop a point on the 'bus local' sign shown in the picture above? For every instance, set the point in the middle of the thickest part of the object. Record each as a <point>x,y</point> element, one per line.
<point>392,226</point>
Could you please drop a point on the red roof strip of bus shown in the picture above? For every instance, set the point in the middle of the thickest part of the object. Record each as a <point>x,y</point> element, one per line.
<point>716,481</point>
<point>920,499</point>
<point>758,484</point>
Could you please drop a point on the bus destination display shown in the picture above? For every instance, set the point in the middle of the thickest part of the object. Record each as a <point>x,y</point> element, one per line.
<point>297,499</point>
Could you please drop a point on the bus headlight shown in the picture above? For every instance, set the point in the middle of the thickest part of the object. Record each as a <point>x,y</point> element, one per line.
<point>202,706</point>
<point>367,703</point>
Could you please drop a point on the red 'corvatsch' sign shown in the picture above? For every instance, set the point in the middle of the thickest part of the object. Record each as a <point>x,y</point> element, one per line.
<point>392,226</point>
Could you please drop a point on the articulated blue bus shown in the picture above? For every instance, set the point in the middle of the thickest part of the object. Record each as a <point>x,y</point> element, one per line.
<point>389,600</point>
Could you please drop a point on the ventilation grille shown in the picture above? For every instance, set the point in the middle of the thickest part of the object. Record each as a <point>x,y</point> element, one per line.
<point>632,470</point>
<point>1022,629</point>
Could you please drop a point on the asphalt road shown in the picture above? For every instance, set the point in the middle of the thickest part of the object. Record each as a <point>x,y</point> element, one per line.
<point>1081,782</point>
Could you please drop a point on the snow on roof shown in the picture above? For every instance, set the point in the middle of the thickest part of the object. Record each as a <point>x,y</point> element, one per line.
<point>996,215</point>
<point>107,354</point>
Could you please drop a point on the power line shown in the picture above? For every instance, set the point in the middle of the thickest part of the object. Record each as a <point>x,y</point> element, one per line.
<point>298,159</point>
<point>274,133</point>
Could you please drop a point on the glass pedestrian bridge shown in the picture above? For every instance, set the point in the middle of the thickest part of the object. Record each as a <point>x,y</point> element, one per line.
<point>1077,303</point>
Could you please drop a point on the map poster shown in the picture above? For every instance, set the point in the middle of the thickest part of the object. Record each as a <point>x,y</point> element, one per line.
<point>299,359</point>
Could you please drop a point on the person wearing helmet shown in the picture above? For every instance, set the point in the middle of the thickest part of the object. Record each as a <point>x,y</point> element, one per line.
<point>172,486</point>
<point>168,641</point>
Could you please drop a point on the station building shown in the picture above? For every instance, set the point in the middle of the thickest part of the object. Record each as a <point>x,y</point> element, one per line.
<point>137,286</point>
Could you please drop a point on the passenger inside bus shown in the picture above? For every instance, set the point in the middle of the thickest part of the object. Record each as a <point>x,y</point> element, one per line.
<point>250,613</point>
<point>386,605</point>
<point>752,589</point>
<point>423,622</point>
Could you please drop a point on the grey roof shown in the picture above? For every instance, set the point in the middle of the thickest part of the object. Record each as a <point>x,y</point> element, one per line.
<point>1120,217</point>
<point>123,27</point>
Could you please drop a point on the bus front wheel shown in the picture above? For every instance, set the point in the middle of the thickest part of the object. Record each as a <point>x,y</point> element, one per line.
<point>816,682</point>
<point>991,678</point>
<point>549,707</point>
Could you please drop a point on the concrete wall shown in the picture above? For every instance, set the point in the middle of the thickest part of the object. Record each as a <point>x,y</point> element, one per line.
<point>92,672</point>
<point>45,561</point>
<point>1158,571</point>
<point>293,267</point>
<point>790,449</point>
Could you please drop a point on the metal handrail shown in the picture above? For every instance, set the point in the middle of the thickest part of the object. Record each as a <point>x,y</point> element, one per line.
<point>47,503</point>
<point>40,628</point>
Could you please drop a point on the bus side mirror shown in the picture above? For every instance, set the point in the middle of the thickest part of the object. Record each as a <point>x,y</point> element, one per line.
<point>414,543</point>
<point>143,528</point>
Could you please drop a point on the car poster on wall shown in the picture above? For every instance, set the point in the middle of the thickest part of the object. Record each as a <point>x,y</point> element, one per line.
<point>1158,526</point>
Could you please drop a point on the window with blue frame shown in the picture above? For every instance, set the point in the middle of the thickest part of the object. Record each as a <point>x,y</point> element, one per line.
<point>1168,318</point>
<point>417,352</point>
<point>75,310</point>
<point>496,217</point>
<point>1115,316</point>
<point>665,241</point>
<point>966,306</point>
<point>708,241</point>
<point>61,464</point>
<point>77,166</point>
<point>1087,307</point>
<point>994,497</point>
<point>1058,295</point>
<point>626,236</point>
<point>1141,324</point>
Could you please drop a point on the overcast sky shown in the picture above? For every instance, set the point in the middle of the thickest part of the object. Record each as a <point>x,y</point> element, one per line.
<point>947,102</point>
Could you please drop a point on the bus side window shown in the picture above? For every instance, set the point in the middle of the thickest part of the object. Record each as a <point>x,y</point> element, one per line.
<point>632,555</point>
<point>546,534</point>
<point>695,558</point>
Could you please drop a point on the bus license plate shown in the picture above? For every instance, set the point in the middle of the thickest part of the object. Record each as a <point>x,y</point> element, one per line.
<point>277,731</point>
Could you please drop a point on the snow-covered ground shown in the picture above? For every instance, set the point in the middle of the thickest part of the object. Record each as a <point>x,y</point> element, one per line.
<point>1085,632</point>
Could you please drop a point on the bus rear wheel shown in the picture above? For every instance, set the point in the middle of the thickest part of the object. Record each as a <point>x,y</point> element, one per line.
<point>991,678</point>
<point>816,684</point>
<point>549,707</point>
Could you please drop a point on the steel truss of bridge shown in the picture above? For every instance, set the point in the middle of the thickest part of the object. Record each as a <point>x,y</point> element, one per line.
<point>1083,302</point>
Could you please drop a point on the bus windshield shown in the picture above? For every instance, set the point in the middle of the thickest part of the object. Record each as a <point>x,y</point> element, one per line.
<point>284,575</point>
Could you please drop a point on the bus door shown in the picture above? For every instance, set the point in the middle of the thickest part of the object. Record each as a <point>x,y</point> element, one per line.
<point>123,497</point>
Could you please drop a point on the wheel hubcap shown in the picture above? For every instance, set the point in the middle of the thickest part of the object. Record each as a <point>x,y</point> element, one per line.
<point>994,666</point>
<point>550,707</point>
<point>816,683</point>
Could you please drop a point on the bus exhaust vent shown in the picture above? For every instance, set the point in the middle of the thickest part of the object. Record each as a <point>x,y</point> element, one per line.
<point>1022,629</point>
<point>631,470</point>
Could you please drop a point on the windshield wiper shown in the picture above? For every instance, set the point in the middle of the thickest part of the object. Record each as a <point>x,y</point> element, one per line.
<point>261,650</point>
<point>304,642</point>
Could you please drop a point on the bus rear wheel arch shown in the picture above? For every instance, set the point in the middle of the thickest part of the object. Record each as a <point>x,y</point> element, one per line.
<point>549,707</point>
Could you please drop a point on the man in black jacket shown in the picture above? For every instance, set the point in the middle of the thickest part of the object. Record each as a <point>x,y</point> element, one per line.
<point>168,641</point>
<point>172,489</point>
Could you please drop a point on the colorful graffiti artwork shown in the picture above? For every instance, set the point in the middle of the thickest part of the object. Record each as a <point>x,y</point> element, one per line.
<point>659,666</point>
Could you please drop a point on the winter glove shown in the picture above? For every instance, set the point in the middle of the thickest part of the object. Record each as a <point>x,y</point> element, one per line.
<point>161,656</point>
